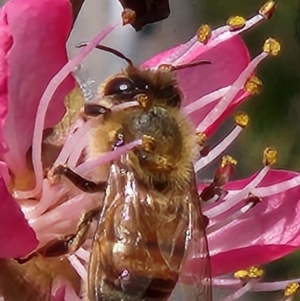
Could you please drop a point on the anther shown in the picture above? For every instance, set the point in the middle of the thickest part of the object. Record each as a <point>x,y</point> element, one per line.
<point>224,171</point>
<point>269,156</point>
<point>241,274</point>
<point>143,100</point>
<point>148,143</point>
<point>119,139</point>
<point>253,199</point>
<point>291,289</point>
<point>165,67</point>
<point>162,164</point>
<point>228,160</point>
<point>251,273</point>
<point>204,33</point>
<point>128,16</point>
<point>271,46</point>
<point>241,119</point>
<point>268,9</point>
<point>236,23</point>
<point>201,139</point>
<point>255,272</point>
<point>253,85</point>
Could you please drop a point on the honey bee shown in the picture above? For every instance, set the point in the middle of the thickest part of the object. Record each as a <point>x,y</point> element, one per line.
<point>150,224</point>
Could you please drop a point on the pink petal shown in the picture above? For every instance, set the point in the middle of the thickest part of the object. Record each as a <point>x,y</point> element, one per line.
<point>243,258</point>
<point>5,45</point>
<point>39,30</point>
<point>17,238</point>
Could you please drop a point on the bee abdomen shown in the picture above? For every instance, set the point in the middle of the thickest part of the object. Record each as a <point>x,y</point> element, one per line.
<point>137,290</point>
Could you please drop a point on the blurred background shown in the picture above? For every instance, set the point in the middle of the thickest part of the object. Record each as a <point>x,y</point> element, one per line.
<point>274,113</point>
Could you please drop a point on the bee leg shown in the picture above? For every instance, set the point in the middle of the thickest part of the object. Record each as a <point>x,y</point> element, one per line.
<point>94,110</point>
<point>70,243</point>
<point>80,182</point>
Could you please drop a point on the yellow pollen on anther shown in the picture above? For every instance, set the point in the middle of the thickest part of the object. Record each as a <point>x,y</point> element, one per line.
<point>291,289</point>
<point>165,67</point>
<point>128,16</point>
<point>269,156</point>
<point>204,33</point>
<point>201,138</point>
<point>228,160</point>
<point>253,85</point>
<point>241,274</point>
<point>255,272</point>
<point>148,143</point>
<point>241,119</point>
<point>236,23</point>
<point>251,273</point>
<point>267,9</point>
<point>271,46</point>
<point>143,100</point>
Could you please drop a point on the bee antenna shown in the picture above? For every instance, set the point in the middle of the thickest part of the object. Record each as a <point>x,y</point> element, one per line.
<point>193,64</point>
<point>109,49</point>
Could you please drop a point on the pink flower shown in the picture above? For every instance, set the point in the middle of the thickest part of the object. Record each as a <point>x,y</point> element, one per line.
<point>35,80</point>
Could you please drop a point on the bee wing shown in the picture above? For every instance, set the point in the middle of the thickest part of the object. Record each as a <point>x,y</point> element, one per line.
<point>118,234</point>
<point>194,282</point>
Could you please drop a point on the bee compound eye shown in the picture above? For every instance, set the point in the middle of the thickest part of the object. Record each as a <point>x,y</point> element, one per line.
<point>119,86</point>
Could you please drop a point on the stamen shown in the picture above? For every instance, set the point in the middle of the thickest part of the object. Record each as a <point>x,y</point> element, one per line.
<point>205,100</point>
<point>106,157</point>
<point>219,149</point>
<point>267,9</point>
<point>218,36</point>
<point>125,105</point>
<point>46,98</point>
<point>224,171</point>
<point>241,119</point>
<point>77,150</point>
<point>250,276</point>
<point>53,195</point>
<point>251,273</point>
<point>216,224</point>
<point>270,156</point>
<point>83,254</point>
<point>271,47</point>
<point>239,293</point>
<point>253,85</point>
<point>78,266</point>
<point>291,289</point>
<point>223,104</point>
<point>278,187</point>
<point>68,146</point>
<point>232,200</point>
<point>204,33</point>
<point>201,139</point>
